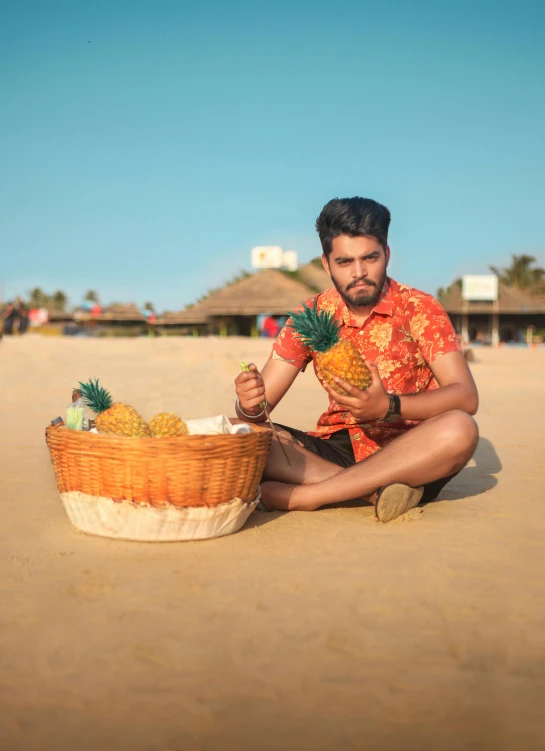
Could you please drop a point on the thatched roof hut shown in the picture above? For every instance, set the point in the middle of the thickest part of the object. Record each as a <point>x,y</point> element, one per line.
<point>190,317</point>
<point>117,313</point>
<point>267,291</point>
<point>118,319</point>
<point>188,321</point>
<point>120,312</point>
<point>59,316</point>
<point>314,276</point>
<point>234,309</point>
<point>516,316</point>
<point>510,300</point>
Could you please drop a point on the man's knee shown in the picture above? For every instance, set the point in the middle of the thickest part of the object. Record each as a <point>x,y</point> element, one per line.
<point>460,434</point>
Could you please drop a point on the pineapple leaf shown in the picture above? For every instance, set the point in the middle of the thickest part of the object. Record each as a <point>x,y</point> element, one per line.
<point>317,329</point>
<point>96,397</point>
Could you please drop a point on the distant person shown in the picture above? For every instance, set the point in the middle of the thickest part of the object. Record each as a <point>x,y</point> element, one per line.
<point>270,327</point>
<point>22,315</point>
<point>401,440</point>
<point>8,317</point>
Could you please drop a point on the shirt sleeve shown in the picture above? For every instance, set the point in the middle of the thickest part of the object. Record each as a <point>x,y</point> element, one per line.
<point>432,330</point>
<point>289,348</point>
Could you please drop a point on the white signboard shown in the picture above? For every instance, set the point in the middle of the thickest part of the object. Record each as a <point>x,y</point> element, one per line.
<point>274,257</point>
<point>290,260</point>
<point>267,257</point>
<point>480,287</point>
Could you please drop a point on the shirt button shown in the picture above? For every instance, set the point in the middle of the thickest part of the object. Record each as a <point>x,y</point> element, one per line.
<point>361,333</point>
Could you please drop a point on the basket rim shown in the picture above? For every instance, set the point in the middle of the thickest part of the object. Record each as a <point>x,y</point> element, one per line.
<point>85,436</point>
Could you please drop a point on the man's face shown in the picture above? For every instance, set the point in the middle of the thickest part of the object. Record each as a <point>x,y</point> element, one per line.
<point>357,267</point>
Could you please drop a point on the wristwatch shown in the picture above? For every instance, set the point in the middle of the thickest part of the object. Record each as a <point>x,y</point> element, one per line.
<point>394,409</point>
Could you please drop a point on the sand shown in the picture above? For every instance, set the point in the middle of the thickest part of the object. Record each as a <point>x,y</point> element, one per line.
<point>302,631</point>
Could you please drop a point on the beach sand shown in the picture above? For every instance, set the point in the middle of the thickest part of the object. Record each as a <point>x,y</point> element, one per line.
<point>318,631</point>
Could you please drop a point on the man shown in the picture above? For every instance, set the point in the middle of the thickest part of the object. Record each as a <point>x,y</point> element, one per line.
<point>9,316</point>
<point>22,316</point>
<point>401,440</point>
<point>271,327</point>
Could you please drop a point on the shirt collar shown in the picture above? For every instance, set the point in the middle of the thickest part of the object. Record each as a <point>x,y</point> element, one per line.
<point>384,306</point>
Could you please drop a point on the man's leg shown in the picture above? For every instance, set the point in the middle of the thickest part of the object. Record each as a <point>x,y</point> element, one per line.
<point>306,466</point>
<point>435,448</point>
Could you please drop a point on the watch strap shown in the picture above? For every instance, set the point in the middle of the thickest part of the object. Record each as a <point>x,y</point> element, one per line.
<point>394,408</point>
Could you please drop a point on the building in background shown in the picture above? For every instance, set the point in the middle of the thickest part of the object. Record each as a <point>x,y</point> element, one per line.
<point>239,308</point>
<point>485,311</point>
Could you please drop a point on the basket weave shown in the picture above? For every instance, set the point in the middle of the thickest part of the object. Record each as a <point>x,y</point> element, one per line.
<point>194,470</point>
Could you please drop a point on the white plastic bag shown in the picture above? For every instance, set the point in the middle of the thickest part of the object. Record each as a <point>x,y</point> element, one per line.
<point>215,426</point>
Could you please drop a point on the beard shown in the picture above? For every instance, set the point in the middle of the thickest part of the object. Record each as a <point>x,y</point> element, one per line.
<point>361,297</point>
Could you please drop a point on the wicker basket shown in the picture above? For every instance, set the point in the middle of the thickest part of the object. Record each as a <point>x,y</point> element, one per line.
<point>188,488</point>
<point>194,470</point>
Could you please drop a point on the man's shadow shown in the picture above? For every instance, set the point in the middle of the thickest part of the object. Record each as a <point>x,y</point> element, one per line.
<point>475,479</point>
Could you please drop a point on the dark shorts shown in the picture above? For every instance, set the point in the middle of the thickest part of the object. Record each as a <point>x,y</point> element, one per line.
<point>338,450</point>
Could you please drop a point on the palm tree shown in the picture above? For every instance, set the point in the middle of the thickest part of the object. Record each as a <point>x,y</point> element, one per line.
<point>91,296</point>
<point>59,300</point>
<point>442,292</point>
<point>38,298</point>
<point>521,274</point>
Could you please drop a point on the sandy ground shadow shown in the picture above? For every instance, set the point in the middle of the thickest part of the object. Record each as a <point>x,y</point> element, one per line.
<point>477,478</point>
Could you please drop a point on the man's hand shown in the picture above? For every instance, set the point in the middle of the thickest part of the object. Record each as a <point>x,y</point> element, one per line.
<point>364,406</point>
<point>250,390</point>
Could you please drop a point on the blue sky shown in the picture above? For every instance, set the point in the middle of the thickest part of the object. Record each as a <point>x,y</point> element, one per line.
<point>147,146</point>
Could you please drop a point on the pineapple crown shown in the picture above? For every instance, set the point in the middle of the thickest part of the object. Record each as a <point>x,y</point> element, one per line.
<point>95,397</point>
<point>316,329</point>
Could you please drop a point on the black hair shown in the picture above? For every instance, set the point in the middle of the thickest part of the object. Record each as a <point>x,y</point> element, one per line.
<point>355,217</point>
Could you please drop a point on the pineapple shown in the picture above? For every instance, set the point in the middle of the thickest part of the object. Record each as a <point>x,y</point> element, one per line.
<point>167,425</point>
<point>319,331</point>
<point>115,418</point>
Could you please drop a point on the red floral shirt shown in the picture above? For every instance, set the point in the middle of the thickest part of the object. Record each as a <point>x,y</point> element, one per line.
<point>405,332</point>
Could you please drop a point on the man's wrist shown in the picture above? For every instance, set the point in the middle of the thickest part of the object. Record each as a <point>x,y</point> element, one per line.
<point>393,411</point>
<point>247,413</point>
<point>385,407</point>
